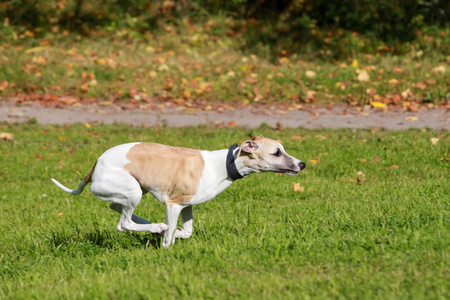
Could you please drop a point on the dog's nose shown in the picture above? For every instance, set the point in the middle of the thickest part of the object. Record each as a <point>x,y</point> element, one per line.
<point>302,165</point>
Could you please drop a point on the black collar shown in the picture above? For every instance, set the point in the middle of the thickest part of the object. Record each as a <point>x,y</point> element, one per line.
<point>231,166</point>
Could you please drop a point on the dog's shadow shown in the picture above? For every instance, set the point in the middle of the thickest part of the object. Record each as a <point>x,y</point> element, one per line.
<point>98,240</point>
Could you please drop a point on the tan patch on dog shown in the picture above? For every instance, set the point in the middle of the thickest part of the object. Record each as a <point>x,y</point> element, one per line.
<point>88,178</point>
<point>173,171</point>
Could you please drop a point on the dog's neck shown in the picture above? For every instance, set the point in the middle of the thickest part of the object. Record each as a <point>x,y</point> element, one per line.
<point>230,163</point>
<point>242,162</point>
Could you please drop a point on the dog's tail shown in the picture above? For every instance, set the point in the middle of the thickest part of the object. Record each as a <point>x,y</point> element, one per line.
<point>81,186</point>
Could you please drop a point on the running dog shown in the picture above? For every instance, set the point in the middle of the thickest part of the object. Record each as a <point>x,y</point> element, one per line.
<point>178,177</point>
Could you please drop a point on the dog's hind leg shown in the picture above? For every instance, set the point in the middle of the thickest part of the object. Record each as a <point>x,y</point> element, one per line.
<point>126,222</point>
<point>125,193</point>
<point>118,207</point>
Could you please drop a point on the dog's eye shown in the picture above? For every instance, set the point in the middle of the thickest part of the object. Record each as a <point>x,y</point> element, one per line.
<point>278,153</point>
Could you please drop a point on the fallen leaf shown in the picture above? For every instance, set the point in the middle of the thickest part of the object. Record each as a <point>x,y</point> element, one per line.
<point>3,85</point>
<point>186,94</point>
<point>35,49</point>
<point>40,60</point>
<point>406,93</point>
<point>397,70</point>
<point>105,103</point>
<point>159,60</point>
<point>420,85</point>
<point>375,130</point>
<point>377,104</point>
<point>232,74</point>
<point>297,188</point>
<point>411,118</point>
<point>100,61</point>
<point>393,81</point>
<point>84,88</point>
<point>61,138</point>
<point>6,136</point>
<point>434,141</point>
<point>393,166</point>
<point>59,214</point>
<point>296,137</point>
<point>283,60</point>
<point>232,124</point>
<point>310,96</point>
<point>363,76</point>
<point>314,160</point>
<point>360,174</point>
<point>439,69</point>
<point>371,91</point>
<point>355,63</point>
<point>360,179</point>
<point>163,67</point>
<point>310,74</point>
<point>88,125</point>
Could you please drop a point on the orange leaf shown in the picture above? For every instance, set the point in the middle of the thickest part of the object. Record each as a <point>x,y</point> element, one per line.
<point>314,160</point>
<point>371,91</point>
<point>3,85</point>
<point>420,85</point>
<point>296,137</point>
<point>186,94</point>
<point>84,88</point>
<point>374,130</point>
<point>297,188</point>
<point>393,81</point>
<point>6,136</point>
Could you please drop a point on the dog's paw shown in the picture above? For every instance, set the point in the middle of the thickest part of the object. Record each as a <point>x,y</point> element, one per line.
<point>182,234</point>
<point>161,227</point>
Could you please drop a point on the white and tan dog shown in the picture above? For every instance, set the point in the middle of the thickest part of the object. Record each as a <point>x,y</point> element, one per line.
<point>177,177</point>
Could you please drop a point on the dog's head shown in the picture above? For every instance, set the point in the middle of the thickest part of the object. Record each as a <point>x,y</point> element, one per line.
<point>266,155</point>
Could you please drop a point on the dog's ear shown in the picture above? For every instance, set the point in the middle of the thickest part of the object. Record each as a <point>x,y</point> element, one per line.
<point>249,146</point>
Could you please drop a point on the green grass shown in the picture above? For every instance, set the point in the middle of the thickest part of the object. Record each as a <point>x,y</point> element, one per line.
<point>385,235</point>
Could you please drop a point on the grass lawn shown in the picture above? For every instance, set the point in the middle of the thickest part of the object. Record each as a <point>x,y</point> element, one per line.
<point>367,219</point>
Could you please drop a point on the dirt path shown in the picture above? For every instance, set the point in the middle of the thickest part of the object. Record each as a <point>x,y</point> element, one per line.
<point>335,117</point>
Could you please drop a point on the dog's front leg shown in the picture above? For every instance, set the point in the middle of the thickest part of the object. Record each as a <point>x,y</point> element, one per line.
<point>172,213</point>
<point>188,227</point>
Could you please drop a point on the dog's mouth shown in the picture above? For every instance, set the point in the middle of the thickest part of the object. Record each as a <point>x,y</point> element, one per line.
<point>289,172</point>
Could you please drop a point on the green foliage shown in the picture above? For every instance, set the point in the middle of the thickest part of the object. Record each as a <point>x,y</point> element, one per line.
<point>371,223</point>
<point>335,29</point>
